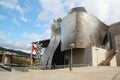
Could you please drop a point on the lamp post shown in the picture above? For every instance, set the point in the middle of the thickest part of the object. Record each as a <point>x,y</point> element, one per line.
<point>97,56</point>
<point>71,46</point>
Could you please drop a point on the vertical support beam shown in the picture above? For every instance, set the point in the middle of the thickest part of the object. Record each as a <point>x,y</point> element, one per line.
<point>71,60</point>
<point>71,57</point>
<point>97,57</point>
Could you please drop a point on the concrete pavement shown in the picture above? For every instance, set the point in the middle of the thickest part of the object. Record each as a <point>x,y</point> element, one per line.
<point>83,73</point>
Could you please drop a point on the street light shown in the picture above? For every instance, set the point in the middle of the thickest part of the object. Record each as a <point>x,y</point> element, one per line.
<point>97,56</point>
<point>71,46</point>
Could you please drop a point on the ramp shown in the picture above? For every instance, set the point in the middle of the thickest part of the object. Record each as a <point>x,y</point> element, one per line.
<point>4,68</point>
<point>46,59</point>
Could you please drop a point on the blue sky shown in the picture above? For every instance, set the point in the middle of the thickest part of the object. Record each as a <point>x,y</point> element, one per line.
<point>25,21</point>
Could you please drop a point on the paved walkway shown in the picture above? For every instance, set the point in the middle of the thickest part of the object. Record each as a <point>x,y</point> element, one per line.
<point>83,73</point>
<point>116,76</point>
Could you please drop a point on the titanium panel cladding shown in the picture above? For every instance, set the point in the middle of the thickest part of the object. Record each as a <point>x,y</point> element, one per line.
<point>82,29</point>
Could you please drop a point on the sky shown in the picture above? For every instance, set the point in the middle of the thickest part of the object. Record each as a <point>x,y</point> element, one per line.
<point>26,21</point>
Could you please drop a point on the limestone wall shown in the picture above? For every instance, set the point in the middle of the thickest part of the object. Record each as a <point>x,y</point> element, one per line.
<point>98,55</point>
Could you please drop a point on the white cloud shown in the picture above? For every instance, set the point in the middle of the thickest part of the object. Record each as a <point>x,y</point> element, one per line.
<point>44,16</point>
<point>105,10</point>
<point>15,21</point>
<point>33,36</point>
<point>18,8</point>
<point>23,46</point>
<point>23,18</point>
<point>1,35</point>
<point>52,9</point>
<point>114,12</point>
<point>46,26</point>
<point>57,8</point>
<point>6,4</point>
<point>99,8</point>
<point>71,3</point>
<point>52,6</point>
<point>13,4</point>
<point>37,37</point>
<point>38,25</point>
<point>2,17</point>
